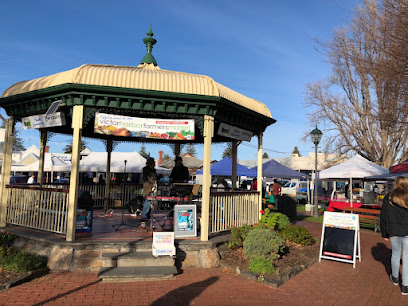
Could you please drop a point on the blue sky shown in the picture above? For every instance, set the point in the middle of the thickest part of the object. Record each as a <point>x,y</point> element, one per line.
<point>262,49</point>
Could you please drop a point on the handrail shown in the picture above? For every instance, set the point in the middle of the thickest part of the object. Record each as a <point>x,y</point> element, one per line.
<point>235,192</point>
<point>34,187</point>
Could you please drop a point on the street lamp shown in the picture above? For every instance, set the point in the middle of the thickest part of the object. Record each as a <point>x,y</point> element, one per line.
<point>316,135</point>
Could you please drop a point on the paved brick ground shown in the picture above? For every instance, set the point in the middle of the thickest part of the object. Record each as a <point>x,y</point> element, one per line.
<point>327,282</point>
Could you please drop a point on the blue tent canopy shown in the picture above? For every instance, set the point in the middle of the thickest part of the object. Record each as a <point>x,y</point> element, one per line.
<point>274,169</point>
<point>224,168</point>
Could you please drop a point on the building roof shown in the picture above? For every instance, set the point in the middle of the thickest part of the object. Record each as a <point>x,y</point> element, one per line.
<point>190,162</point>
<point>302,163</point>
<point>145,76</point>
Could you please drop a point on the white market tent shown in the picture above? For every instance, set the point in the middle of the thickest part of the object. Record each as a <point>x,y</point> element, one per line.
<point>52,163</point>
<point>97,162</point>
<point>356,167</point>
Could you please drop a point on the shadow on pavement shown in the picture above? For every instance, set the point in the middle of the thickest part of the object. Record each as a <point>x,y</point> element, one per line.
<point>66,293</point>
<point>184,295</point>
<point>382,254</point>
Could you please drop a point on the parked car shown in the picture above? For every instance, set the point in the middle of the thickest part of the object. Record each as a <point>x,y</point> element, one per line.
<point>18,179</point>
<point>293,189</point>
<point>61,181</point>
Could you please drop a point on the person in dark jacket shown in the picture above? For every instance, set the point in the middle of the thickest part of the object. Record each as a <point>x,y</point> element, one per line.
<point>394,227</point>
<point>180,172</point>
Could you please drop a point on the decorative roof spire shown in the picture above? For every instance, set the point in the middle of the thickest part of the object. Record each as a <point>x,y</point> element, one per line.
<point>149,42</point>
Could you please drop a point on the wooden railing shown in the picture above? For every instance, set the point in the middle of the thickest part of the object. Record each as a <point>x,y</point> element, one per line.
<point>116,193</point>
<point>234,208</point>
<point>39,208</point>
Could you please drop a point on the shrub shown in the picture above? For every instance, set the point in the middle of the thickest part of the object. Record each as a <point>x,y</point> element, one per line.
<point>238,236</point>
<point>298,234</point>
<point>6,239</point>
<point>272,220</point>
<point>22,261</point>
<point>263,243</point>
<point>261,266</point>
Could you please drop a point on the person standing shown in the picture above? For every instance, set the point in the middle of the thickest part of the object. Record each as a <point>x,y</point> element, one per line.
<point>31,179</point>
<point>149,181</point>
<point>254,185</point>
<point>276,191</point>
<point>394,227</point>
<point>179,174</point>
<point>347,191</point>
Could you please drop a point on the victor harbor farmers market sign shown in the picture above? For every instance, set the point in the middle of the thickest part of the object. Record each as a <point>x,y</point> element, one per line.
<point>165,129</point>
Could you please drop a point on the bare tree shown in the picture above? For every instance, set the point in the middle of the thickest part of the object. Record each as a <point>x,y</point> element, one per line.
<point>363,102</point>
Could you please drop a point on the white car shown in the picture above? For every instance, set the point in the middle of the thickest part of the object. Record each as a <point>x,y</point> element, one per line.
<point>292,189</point>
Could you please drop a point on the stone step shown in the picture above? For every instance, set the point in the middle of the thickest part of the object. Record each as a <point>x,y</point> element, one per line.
<point>138,259</point>
<point>128,274</point>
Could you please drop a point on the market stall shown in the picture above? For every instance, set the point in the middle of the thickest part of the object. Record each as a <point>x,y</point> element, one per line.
<point>356,168</point>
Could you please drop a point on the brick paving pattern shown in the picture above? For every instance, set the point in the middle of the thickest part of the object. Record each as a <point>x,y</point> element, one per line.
<point>325,283</point>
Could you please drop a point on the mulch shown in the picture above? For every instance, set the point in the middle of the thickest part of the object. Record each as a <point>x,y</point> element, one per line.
<point>7,276</point>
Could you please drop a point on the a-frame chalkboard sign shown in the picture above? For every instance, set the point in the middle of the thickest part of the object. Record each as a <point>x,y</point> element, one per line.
<point>340,237</point>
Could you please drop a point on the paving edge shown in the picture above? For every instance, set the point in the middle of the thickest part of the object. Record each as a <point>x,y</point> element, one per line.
<point>283,277</point>
<point>25,278</point>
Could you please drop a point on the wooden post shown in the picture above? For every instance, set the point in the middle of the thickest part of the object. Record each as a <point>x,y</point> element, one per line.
<point>205,205</point>
<point>234,164</point>
<point>259,176</point>
<point>43,143</point>
<point>177,149</point>
<point>108,166</point>
<point>77,122</point>
<point>6,169</point>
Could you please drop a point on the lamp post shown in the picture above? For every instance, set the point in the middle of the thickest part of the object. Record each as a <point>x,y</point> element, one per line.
<point>316,135</point>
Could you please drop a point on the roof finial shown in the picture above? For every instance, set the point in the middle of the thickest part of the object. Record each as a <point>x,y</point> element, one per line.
<point>149,41</point>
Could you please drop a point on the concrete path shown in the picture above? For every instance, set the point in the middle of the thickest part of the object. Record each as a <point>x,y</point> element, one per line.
<point>328,282</point>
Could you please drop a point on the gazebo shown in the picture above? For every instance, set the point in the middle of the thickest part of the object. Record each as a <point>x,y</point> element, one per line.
<point>105,102</point>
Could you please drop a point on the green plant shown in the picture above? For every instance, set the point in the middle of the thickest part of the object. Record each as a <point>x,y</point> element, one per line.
<point>263,243</point>
<point>273,220</point>
<point>261,265</point>
<point>6,239</point>
<point>298,234</point>
<point>22,261</point>
<point>239,234</point>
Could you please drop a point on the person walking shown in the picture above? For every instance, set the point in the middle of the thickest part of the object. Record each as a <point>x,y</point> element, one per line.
<point>394,227</point>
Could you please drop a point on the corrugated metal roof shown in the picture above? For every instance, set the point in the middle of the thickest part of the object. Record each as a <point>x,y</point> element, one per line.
<point>144,76</point>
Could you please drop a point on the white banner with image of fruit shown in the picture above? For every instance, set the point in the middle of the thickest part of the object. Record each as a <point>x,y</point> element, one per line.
<point>169,129</point>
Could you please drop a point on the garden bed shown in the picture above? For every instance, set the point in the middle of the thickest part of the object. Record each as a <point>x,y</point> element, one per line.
<point>7,276</point>
<point>294,261</point>
<point>18,266</point>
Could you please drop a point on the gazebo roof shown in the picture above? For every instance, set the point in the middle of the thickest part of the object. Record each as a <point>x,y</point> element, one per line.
<point>146,77</point>
<point>145,91</point>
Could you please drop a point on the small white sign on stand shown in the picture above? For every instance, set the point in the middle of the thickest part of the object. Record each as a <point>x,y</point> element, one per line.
<point>163,244</point>
<point>340,237</point>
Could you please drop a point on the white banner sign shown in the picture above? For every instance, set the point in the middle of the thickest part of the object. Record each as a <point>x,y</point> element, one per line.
<point>43,121</point>
<point>234,132</point>
<point>169,129</point>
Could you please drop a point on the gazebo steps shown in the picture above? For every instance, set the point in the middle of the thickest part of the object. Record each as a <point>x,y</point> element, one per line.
<point>138,259</point>
<point>139,265</point>
<point>129,274</point>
